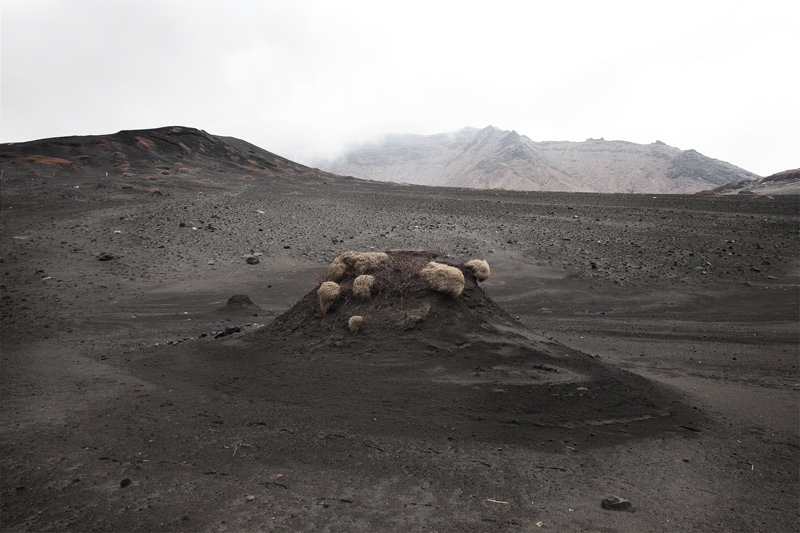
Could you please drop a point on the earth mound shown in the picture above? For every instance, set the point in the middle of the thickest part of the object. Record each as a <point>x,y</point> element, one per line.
<point>239,303</point>
<point>408,334</point>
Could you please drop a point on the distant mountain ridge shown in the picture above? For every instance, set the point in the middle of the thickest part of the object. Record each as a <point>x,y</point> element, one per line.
<point>493,158</point>
<point>786,182</point>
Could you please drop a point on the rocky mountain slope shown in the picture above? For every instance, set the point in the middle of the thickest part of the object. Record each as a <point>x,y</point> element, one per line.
<point>492,158</point>
<point>786,182</point>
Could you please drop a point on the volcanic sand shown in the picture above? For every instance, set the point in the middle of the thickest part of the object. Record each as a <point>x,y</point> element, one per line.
<point>637,346</point>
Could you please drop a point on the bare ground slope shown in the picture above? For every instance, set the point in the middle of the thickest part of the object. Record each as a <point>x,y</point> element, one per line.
<point>131,403</point>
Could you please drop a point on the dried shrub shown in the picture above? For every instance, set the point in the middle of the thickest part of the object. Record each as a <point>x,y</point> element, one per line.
<point>400,274</point>
<point>322,277</point>
<point>351,264</point>
<point>393,274</point>
<point>9,154</point>
<point>443,278</point>
<point>480,269</point>
<point>328,293</point>
<point>362,287</point>
<point>337,270</point>
<point>354,324</point>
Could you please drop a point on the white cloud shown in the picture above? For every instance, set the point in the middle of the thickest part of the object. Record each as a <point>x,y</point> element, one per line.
<point>301,78</point>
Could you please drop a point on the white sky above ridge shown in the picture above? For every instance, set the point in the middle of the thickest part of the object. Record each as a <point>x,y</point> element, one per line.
<point>307,79</point>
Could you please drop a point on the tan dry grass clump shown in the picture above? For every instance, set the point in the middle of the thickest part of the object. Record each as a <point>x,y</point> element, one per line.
<point>480,268</point>
<point>329,293</point>
<point>443,278</point>
<point>354,324</point>
<point>351,264</point>
<point>362,287</point>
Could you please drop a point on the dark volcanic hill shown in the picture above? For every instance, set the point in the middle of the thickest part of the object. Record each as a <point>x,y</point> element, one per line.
<point>162,161</point>
<point>492,158</point>
<point>786,182</point>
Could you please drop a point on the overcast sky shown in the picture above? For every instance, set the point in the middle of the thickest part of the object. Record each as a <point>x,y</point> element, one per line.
<point>305,78</point>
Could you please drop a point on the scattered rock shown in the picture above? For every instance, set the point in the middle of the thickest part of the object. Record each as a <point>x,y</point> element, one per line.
<point>252,260</point>
<point>615,503</point>
<point>125,482</point>
<point>104,256</point>
<point>239,303</point>
<point>230,330</point>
